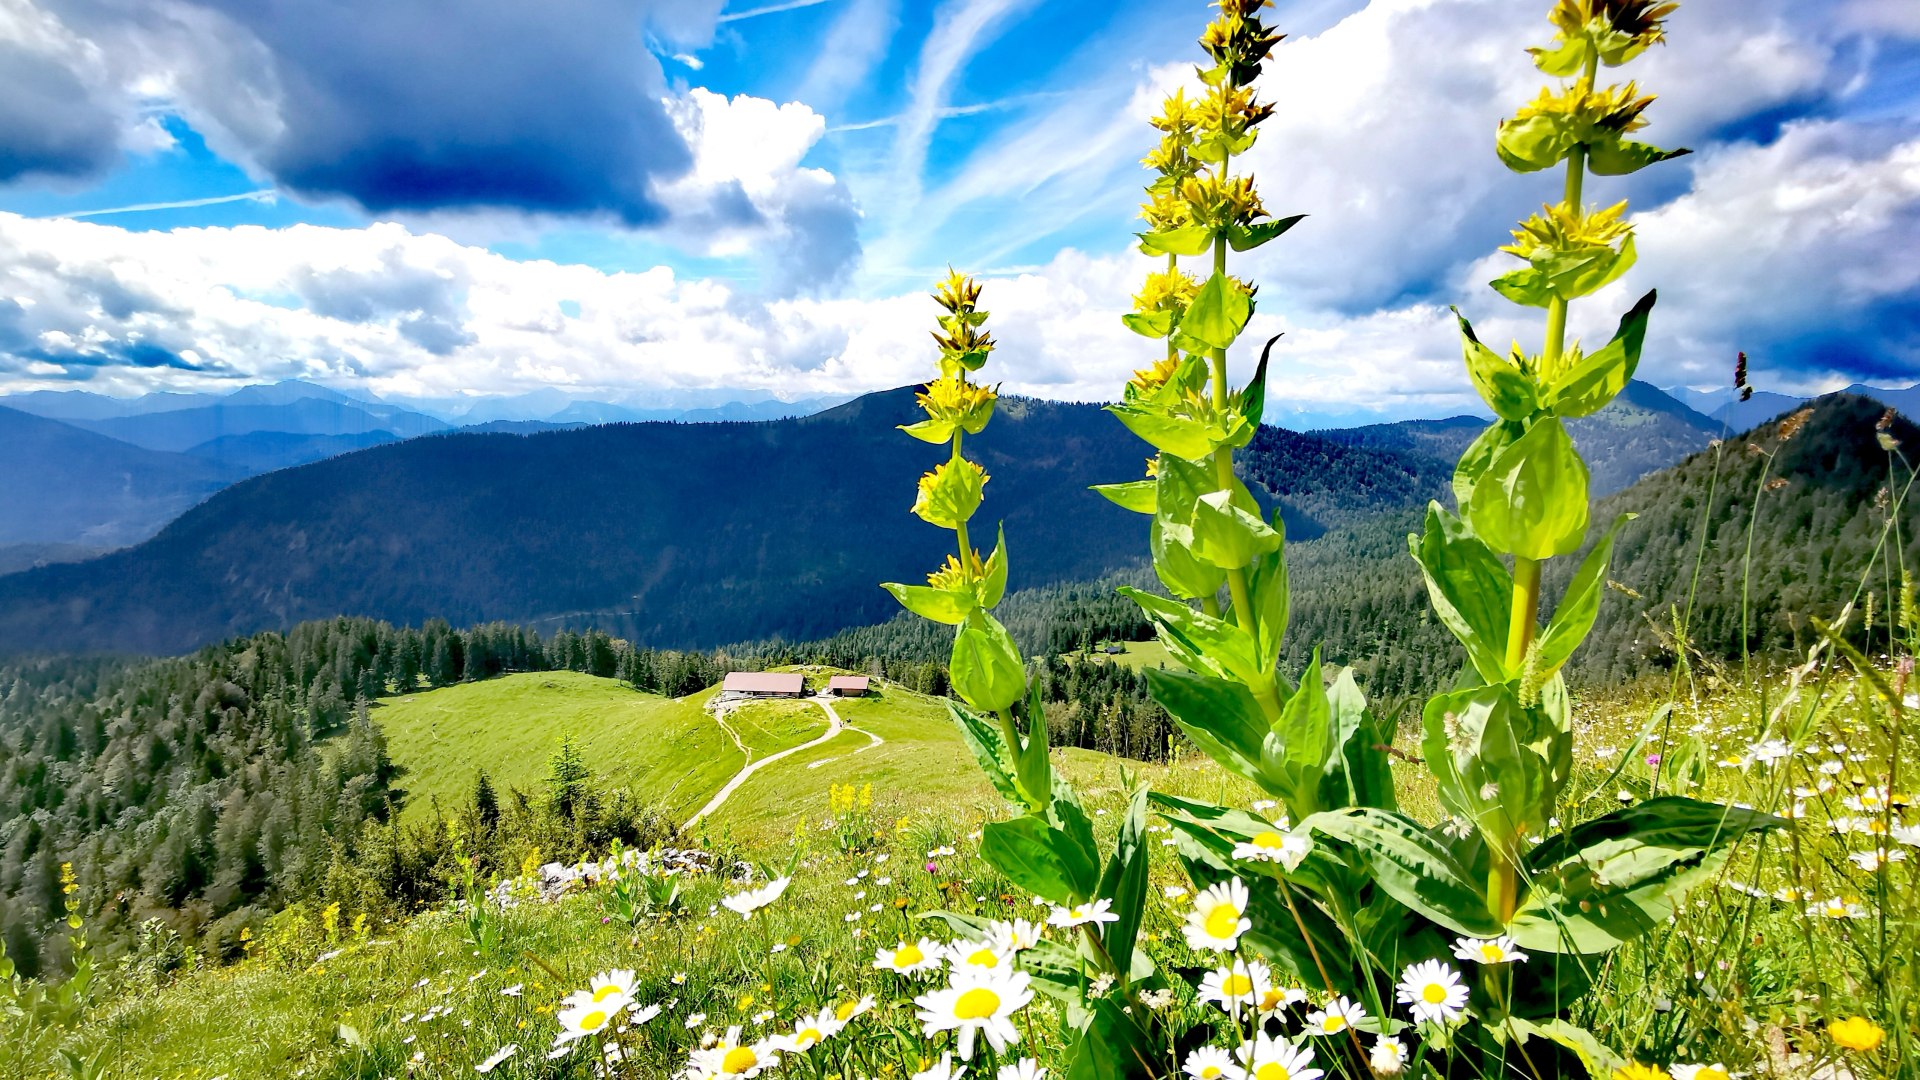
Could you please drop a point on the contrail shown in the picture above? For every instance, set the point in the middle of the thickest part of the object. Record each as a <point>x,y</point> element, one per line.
<point>790,5</point>
<point>264,195</point>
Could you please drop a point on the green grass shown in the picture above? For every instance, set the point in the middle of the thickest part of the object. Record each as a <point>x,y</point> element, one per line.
<point>665,748</point>
<point>768,727</point>
<point>1139,654</point>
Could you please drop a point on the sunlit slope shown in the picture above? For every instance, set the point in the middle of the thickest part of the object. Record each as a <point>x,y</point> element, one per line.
<point>667,749</point>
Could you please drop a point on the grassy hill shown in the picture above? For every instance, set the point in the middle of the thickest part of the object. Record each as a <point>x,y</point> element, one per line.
<point>671,751</point>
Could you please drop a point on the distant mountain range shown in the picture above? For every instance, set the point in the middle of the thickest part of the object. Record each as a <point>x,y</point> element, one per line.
<point>697,534</point>
<point>1726,408</point>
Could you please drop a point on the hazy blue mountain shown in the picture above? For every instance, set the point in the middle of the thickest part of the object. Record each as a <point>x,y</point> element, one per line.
<point>1643,430</point>
<point>183,429</point>
<point>1737,415</point>
<point>264,451</point>
<point>63,485</point>
<point>681,534</point>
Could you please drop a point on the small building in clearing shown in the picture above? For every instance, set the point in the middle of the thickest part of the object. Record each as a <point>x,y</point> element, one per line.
<point>789,684</point>
<point>848,685</point>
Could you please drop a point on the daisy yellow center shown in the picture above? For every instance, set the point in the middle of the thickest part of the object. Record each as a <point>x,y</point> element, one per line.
<point>1211,1072</point>
<point>1433,993</point>
<point>983,958</point>
<point>845,1010</point>
<point>1269,839</point>
<point>604,993</point>
<point>908,956</point>
<point>1236,985</point>
<point>739,1060</point>
<point>976,1004</point>
<point>1492,953</point>
<point>1272,1070</point>
<point>809,1037</point>
<point>1223,920</point>
<point>594,1020</point>
<point>1711,1073</point>
<point>1334,1022</point>
<point>1271,999</point>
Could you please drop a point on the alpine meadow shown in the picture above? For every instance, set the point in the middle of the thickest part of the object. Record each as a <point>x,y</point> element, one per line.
<point>979,540</point>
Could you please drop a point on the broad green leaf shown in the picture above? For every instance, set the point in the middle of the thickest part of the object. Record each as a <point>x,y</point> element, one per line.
<point>1532,499</point>
<point>1479,454</point>
<point>1073,837</point>
<point>1218,313</point>
<point>1124,881</point>
<point>1612,879</point>
<point>983,737</point>
<point>1413,867</point>
<point>1507,390</point>
<point>995,584</point>
<point>1180,436</point>
<point>1038,858</point>
<point>1178,487</point>
<point>1134,495</point>
<point>1248,237</point>
<point>1219,715</point>
<point>930,431</point>
<point>1305,724</point>
<point>1226,535</point>
<point>1032,767</point>
<point>1356,773</point>
<point>1528,286</point>
<point>1269,596</point>
<point>1191,240</point>
<point>952,495</point>
<point>986,669</point>
<point>1204,643</point>
<point>1152,324</point>
<point>1471,590</point>
<point>1538,142</point>
<point>1252,398</point>
<point>1595,1056</point>
<point>1618,157</point>
<point>1586,387</point>
<point>1564,60</point>
<point>1574,617</point>
<point>1118,1043</point>
<point>940,605</point>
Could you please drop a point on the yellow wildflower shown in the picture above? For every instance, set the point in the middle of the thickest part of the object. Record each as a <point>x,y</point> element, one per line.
<point>1637,1071</point>
<point>1612,108</point>
<point>1149,379</point>
<point>1561,229</point>
<point>1856,1033</point>
<point>1168,290</point>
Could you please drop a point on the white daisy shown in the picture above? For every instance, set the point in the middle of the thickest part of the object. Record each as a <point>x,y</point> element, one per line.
<point>810,1031</point>
<point>977,1002</point>
<point>1015,936</point>
<point>1236,986</point>
<point>752,900</point>
<point>1389,1057</point>
<point>584,1018</point>
<point>1287,849</point>
<point>1498,950</point>
<point>1339,1014</point>
<point>1432,991</point>
<point>603,987</point>
<point>1212,1063</point>
<point>497,1057</point>
<point>1274,998</point>
<point>944,1069</point>
<point>1024,1069</point>
<point>1269,1058</point>
<point>729,1057</point>
<point>1218,917</point>
<point>912,959</point>
<point>975,954</point>
<point>1097,912</point>
<point>1715,1071</point>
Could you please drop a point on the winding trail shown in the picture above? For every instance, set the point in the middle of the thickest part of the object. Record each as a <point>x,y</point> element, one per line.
<point>834,727</point>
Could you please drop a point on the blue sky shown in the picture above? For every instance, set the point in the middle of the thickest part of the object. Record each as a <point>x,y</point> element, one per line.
<point>631,198</point>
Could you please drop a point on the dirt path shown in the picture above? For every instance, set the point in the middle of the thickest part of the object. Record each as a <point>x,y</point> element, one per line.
<point>834,727</point>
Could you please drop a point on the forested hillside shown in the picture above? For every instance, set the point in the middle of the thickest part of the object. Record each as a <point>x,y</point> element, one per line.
<point>672,534</point>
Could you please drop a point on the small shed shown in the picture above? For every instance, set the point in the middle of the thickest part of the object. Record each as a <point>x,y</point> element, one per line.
<point>848,685</point>
<point>765,684</point>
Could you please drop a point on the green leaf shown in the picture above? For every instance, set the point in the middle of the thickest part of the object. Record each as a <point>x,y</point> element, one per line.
<point>1356,774</point>
<point>1612,879</point>
<point>1270,598</point>
<point>1574,617</point>
<point>1507,390</point>
<point>1204,643</point>
<point>1471,590</point>
<point>1124,881</point>
<point>1563,61</point>
<point>1219,312</point>
<point>1134,495</point>
<point>1038,858</point>
<point>1226,535</point>
<point>1248,237</point>
<point>1600,1062</point>
<point>995,584</point>
<point>1538,142</point>
<point>1586,387</point>
<point>1180,436</point>
<point>1532,500</point>
<point>986,668</point>
<point>1191,240</point>
<point>1178,487</point>
<point>1479,454</point>
<point>1116,1043</point>
<point>1073,832</point>
<point>1151,324</point>
<point>1305,727</point>
<point>1031,765</point>
<point>983,737</point>
<point>1252,399</point>
<point>930,431</point>
<point>1219,715</point>
<point>1413,867</point>
<point>1619,157</point>
<point>940,605</point>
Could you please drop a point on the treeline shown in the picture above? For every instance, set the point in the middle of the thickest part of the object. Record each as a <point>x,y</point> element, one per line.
<point>211,789</point>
